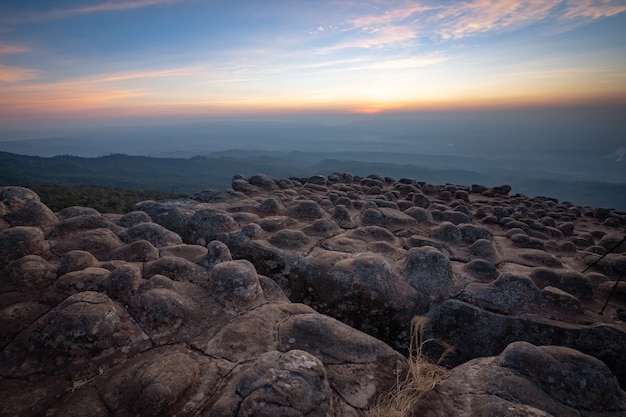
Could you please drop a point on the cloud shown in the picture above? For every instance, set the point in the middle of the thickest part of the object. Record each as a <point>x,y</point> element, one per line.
<point>108,6</point>
<point>10,74</point>
<point>6,49</point>
<point>392,16</point>
<point>175,72</point>
<point>593,9</point>
<point>469,18</point>
<point>462,19</point>
<point>619,154</point>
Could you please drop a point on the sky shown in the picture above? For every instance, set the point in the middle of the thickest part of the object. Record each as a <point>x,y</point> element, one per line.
<point>98,61</point>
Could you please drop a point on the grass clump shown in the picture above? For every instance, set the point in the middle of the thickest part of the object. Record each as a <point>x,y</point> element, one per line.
<point>422,376</point>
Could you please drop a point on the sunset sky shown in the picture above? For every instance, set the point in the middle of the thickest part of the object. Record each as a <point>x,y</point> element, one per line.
<point>77,60</point>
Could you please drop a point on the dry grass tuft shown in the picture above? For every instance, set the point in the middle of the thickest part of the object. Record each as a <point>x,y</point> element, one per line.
<point>421,377</point>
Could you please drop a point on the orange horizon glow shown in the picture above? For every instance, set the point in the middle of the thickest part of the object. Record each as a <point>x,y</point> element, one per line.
<point>360,58</point>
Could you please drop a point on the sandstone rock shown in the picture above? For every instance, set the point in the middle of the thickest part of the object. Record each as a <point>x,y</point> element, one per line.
<point>342,217</point>
<point>101,243</point>
<point>446,232</point>
<point>205,226</point>
<point>14,198</point>
<point>294,383</point>
<point>75,261</point>
<point>238,284</point>
<point>306,210</point>
<point>20,241</point>
<point>88,279</point>
<point>429,271</point>
<point>77,337</point>
<point>455,322</point>
<point>156,234</point>
<point>572,282</point>
<point>177,269</point>
<point>31,273</point>
<point>79,223</point>
<point>133,218</point>
<point>527,380</point>
<point>188,252</point>
<point>16,317</point>
<point>76,211</point>
<point>34,213</point>
<point>481,270</point>
<point>137,251</point>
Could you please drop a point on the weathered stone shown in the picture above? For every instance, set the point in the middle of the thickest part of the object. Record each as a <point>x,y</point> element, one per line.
<point>429,271</point>
<point>133,218</point>
<point>156,234</point>
<point>455,322</point>
<point>88,279</point>
<point>137,251</point>
<point>446,232</point>
<point>294,383</point>
<point>34,213</point>
<point>20,241</point>
<point>80,223</point>
<point>101,243</point>
<point>527,380</point>
<point>238,284</point>
<point>75,261</point>
<point>30,273</point>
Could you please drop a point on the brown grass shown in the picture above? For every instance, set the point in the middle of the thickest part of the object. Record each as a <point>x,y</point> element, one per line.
<point>421,377</point>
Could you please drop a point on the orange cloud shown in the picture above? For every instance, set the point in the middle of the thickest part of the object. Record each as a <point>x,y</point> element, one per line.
<point>6,49</point>
<point>10,74</point>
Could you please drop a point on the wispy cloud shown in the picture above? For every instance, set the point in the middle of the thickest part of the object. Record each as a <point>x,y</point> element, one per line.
<point>9,74</point>
<point>458,20</point>
<point>593,9</point>
<point>6,49</point>
<point>174,72</point>
<point>108,6</point>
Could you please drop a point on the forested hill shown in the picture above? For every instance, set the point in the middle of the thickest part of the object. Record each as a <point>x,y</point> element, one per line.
<point>190,175</point>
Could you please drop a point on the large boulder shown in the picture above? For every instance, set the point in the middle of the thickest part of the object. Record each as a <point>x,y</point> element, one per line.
<point>527,380</point>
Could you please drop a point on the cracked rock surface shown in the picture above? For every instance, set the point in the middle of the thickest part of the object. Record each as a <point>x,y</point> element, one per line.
<point>294,297</point>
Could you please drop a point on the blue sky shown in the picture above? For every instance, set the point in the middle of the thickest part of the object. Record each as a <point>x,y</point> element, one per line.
<point>105,61</point>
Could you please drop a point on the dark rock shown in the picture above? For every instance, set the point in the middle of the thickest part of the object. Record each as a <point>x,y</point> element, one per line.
<point>481,270</point>
<point>137,251</point>
<point>81,223</point>
<point>455,217</point>
<point>88,279</point>
<point>20,241</point>
<point>31,273</point>
<point>306,210</point>
<point>471,233</point>
<point>447,232</point>
<point>455,322</point>
<point>293,383</point>
<point>238,284</point>
<point>75,261</point>
<point>206,225</point>
<point>527,380</point>
<point>156,234</point>
<point>133,218</point>
<point>101,243</point>
<point>34,213</point>
<point>483,248</point>
<point>429,271</point>
<point>420,214</point>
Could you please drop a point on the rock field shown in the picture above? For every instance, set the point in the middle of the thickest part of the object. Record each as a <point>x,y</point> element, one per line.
<point>294,297</point>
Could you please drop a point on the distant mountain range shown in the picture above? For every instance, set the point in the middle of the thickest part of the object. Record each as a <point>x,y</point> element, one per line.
<point>215,170</point>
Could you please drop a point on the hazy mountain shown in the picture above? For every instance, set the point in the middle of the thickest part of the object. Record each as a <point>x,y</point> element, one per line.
<point>190,175</point>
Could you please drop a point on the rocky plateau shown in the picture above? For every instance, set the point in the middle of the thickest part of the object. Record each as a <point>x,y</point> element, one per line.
<point>294,297</point>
